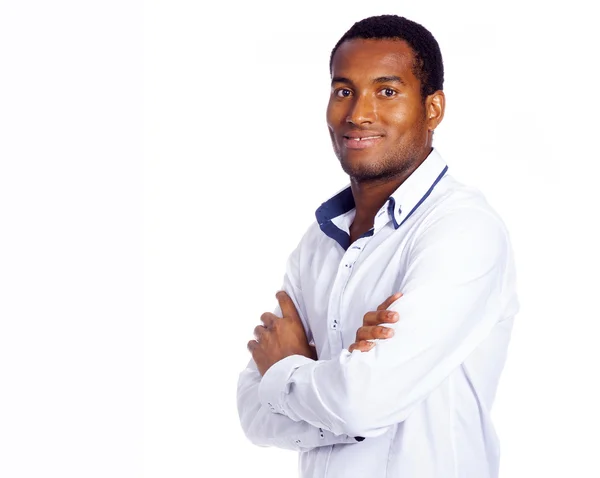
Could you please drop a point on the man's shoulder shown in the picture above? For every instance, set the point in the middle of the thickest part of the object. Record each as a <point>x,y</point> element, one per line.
<point>462,198</point>
<point>311,237</point>
<point>458,205</point>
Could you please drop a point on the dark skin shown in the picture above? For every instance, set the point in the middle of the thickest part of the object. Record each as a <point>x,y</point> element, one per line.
<point>280,337</point>
<point>374,91</point>
<point>375,96</point>
<point>373,327</point>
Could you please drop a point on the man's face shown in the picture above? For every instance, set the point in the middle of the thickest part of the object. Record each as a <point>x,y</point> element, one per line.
<point>375,95</point>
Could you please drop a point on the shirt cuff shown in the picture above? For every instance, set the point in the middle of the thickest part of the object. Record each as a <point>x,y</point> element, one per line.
<point>273,386</point>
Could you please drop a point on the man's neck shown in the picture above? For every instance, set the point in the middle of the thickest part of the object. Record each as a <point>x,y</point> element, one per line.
<point>370,196</point>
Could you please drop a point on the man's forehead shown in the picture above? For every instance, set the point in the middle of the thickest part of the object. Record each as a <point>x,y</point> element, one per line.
<point>379,57</point>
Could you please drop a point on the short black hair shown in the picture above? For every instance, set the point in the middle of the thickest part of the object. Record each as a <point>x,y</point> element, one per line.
<point>428,67</point>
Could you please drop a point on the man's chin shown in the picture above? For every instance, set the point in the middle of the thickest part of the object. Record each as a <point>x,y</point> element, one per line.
<point>362,172</point>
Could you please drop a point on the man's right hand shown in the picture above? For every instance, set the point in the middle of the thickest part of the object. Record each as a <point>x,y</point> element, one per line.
<point>372,328</point>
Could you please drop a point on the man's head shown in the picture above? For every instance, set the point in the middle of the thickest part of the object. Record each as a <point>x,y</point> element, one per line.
<point>428,66</point>
<point>387,78</point>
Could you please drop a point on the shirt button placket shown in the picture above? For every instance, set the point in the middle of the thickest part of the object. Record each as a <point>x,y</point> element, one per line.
<point>348,260</point>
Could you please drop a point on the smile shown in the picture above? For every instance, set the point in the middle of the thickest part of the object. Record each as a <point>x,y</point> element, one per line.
<point>365,138</point>
<point>361,143</point>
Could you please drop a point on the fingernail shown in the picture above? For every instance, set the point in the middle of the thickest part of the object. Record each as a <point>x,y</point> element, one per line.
<point>388,332</point>
<point>392,315</point>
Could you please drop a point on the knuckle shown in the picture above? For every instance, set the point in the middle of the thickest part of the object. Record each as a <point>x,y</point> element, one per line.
<point>360,333</point>
<point>388,316</point>
<point>365,345</point>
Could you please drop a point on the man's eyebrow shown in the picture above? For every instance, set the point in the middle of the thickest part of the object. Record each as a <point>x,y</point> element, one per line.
<point>341,79</point>
<point>388,79</point>
<point>376,81</point>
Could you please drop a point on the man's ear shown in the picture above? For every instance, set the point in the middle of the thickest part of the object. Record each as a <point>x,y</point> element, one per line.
<point>435,105</point>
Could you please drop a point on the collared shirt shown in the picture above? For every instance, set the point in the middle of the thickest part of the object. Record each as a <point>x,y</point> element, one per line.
<point>422,398</point>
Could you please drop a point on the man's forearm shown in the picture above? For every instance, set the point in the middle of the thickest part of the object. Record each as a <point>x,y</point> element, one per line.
<point>263,427</point>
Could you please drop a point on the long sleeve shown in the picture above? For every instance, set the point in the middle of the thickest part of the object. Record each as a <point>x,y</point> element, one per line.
<point>457,286</point>
<point>265,428</point>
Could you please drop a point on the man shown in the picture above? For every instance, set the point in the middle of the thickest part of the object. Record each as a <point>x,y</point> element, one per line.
<point>404,236</point>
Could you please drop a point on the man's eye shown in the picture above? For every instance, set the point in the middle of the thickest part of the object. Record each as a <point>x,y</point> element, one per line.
<point>388,92</point>
<point>343,92</point>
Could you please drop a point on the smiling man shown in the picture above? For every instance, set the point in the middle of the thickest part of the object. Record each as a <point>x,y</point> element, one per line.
<point>385,352</point>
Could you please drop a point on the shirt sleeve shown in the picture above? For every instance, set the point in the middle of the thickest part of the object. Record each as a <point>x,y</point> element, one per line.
<point>261,423</point>
<point>263,426</point>
<point>455,286</point>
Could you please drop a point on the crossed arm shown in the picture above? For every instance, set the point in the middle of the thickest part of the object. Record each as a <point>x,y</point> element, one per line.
<point>452,299</point>
<point>260,424</point>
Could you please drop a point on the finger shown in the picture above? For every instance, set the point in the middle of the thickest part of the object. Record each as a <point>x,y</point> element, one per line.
<point>288,309</point>
<point>259,330</point>
<point>362,345</point>
<point>389,301</point>
<point>252,344</point>
<point>268,318</point>
<point>380,317</point>
<point>374,332</point>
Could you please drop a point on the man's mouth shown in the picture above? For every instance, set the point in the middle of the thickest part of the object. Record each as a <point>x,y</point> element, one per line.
<point>361,142</point>
<point>362,139</point>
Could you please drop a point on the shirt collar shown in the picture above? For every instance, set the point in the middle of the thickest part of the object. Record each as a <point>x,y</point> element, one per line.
<point>403,202</point>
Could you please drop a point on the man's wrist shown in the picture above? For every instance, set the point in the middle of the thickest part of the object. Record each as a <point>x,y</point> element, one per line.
<point>274,381</point>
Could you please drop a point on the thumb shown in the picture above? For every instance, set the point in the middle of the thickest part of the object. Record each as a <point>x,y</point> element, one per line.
<point>288,309</point>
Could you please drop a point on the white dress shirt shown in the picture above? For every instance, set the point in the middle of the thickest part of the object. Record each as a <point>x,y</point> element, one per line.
<point>420,400</point>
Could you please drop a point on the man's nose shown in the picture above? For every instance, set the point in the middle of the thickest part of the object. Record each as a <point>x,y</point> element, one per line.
<point>363,110</point>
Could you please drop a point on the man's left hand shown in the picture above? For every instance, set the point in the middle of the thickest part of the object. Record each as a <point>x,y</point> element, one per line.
<point>279,337</point>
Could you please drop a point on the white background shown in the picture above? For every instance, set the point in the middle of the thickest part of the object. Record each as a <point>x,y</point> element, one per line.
<point>160,160</point>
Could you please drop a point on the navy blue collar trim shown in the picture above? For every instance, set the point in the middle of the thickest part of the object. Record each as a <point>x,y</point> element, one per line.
<point>343,202</point>
<point>339,204</point>
<point>438,179</point>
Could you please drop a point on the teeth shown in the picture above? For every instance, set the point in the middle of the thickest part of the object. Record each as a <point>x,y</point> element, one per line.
<point>362,139</point>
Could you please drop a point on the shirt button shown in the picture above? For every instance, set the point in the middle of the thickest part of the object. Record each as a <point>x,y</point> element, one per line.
<point>298,442</point>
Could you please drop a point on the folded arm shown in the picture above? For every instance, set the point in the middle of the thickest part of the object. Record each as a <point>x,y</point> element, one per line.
<point>265,428</point>
<point>260,424</point>
<point>452,299</point>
